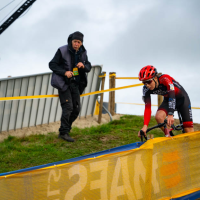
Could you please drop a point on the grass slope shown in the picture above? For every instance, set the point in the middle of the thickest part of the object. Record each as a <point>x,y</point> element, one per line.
<point>19,153</point>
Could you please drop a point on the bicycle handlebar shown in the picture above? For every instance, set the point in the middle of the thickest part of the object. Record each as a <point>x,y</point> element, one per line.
<point>178,128</point>
<point>142,135</point>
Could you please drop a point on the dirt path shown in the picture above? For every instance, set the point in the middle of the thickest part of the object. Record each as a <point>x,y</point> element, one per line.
<point>53,127</point>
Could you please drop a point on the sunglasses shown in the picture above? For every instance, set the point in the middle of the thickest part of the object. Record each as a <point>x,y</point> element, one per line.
<point>147,82</point>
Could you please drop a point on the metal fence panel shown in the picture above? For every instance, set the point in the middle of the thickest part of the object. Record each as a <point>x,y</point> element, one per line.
<point>25,113</point>
<point>48,101</point>
<point>88,102</point>
<point>15,104</point>
<point>54,107</point>
<point>35,102</point>
<point>22,103</point>
<point>92,98</point>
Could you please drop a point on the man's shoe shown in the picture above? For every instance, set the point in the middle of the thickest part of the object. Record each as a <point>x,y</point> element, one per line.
<point>66,137</point>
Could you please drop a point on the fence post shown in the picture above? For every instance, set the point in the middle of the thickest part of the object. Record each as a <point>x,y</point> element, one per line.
<point>160,100</point>
<point>101,100</point>
<point>111,103</point>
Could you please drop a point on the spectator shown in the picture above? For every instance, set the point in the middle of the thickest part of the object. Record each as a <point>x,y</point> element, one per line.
<point>70,65</point>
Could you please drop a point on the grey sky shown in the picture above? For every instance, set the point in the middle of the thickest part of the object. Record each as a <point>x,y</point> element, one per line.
<point>123,36</point>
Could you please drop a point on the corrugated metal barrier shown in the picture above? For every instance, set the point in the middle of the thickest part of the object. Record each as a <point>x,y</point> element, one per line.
<point>162,168</point>
<point>25,113</point>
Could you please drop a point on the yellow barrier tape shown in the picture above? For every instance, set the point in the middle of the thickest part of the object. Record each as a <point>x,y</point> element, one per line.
<point>195,107</point>
<point>55,95</point>
<point>27,97</point>
<point>101,76</point>
<point>110,75</point>
<point>127,78</point>
<point>152,104</point>
<point>113,89</point>
<point>135,103</point>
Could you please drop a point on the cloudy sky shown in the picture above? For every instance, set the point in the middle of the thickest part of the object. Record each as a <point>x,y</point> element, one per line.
<point>121,35</point>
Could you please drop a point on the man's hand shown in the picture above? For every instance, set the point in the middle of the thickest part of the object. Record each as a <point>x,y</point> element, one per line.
<point>69,74</point>
<point>144,129</point>
<point>80,65</point>
<point>170,120</point>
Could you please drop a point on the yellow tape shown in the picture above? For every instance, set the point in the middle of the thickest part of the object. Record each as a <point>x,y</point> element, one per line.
<point>152,104</point>
<point>110,75</point>
<point>101,76</point>
<point>110,90</point>
<point>127,78</point>
<point>87,94</point>
<point>27,97</point>
<point>55,95</point>
<point>195,108</point>
<point>135,103</point>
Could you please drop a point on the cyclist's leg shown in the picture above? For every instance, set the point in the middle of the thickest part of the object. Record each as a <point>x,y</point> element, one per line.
<point>186,113</point>
<point>162,113</point>
<point>188,130</point>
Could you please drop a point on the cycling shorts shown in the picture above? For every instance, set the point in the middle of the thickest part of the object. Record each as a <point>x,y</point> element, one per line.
<point>183,105</point>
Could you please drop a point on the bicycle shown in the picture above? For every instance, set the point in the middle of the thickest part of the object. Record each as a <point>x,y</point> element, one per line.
<point>168,132</point>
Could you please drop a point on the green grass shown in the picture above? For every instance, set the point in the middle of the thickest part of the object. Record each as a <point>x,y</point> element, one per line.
<point>19,153</point>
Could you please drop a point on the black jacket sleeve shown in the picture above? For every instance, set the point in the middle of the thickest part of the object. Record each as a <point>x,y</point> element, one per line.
<point>87,65</point>
<point>56,64</point>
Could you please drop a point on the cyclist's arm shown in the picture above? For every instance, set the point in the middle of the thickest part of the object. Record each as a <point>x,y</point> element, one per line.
<point>147,111</point>
<point>167,81</point>
<point>147,100</point>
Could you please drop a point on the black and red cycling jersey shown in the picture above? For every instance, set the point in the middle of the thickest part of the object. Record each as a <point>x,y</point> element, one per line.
<point>175,97</point>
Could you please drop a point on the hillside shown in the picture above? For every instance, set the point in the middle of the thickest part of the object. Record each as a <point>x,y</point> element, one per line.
<point>38,149</point>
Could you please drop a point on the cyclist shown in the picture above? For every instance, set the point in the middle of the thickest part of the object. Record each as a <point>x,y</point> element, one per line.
<point>175,97</point>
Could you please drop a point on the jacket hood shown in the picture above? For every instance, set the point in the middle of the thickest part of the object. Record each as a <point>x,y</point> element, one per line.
<point>69,41</point>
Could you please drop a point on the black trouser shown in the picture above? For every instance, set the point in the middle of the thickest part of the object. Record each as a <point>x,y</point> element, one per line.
<point>70,103</point>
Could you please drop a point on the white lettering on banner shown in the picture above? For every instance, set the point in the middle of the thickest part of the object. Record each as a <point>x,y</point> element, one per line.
<point>120,184</point>
<point>102,182</point>
<point>56,179</point>
<point>140,171</point>
<point>116,190</point>
<point>155,184</point>
<point>79,186</point>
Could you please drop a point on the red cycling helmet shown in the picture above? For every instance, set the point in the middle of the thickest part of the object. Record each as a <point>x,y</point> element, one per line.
<point>147,72</point>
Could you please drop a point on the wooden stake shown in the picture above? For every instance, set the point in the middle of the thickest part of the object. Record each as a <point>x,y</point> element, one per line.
<point>101,97</point>
<point>111,103</point>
